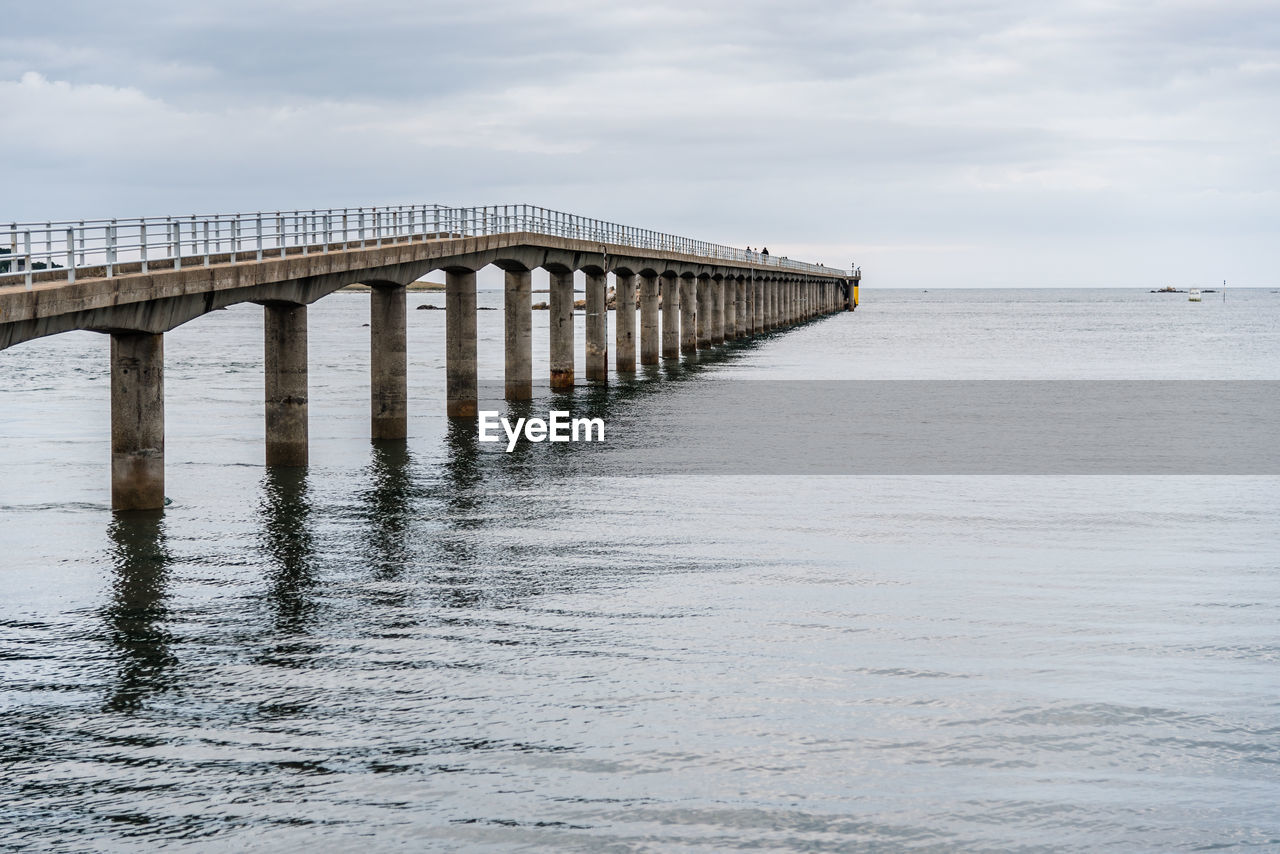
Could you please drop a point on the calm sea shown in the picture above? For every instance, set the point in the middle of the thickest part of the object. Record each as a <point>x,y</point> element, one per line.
<point>422,646</point>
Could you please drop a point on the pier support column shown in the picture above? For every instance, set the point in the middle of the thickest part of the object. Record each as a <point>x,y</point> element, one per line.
<point>285,359</point>
<point>741,323</point>
<point>461,387</point>
<point>671,307</point>
<point>517,329</point>
<point>649,341</point>
<point>729,287</point>
<point>625,323</point>
<point>388,363</point>
<point>561,320</point>
<point>286,362</point>
<point>706,300</point>
<point>688,315</point>
<point>597,326</point>
<point>757,324</point>
<point>717,311</point>
<point>137,421</point>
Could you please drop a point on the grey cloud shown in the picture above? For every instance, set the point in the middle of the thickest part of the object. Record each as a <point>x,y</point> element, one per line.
<point>1041,133</point>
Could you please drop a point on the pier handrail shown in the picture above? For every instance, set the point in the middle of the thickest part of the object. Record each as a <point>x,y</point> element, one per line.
<point>72,245</point>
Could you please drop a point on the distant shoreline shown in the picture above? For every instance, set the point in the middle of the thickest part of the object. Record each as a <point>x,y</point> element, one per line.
<point>412,286</point>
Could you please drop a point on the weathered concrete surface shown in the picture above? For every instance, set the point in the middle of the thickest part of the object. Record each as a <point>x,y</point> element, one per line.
<point>729,289</point>
<point>689,315</point>
<point>461,384</point>
<point>597,327</point>
<point>625,323</point>
<point>742,309</point>
<point>717,311</point>
<point>137,422</point>
<point>650,343</point>
<point>388,363</point>
<point>518,334</point>
<point>561,319</point>
<point>706,307</point>
<point>164,298</point>
<point>670,291</point>
<point>285,364</point>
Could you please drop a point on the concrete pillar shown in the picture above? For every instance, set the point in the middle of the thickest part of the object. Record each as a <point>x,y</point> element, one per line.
<point>460,343</point>
<point>706,302</point>
<point>730,290</point>
<point>518,334</point>
<point>688,315</point>
<point>742,322</point>
<point>285,360</point>
<point>388,363</point>
<point>561,320</point>
<point>137,421</point>
<point>717,311</point>
<point>649,340</point>
<point>670,317</point>
<point>748,307</point>
<point>757,324</point>
<point>597,325</point>
<point>625,323</point>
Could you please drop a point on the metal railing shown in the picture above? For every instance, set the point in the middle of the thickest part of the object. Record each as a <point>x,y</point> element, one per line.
<point>107,247</point>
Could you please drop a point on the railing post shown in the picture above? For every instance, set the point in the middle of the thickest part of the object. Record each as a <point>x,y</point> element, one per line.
<point>26,251</point>
<point>71,255</point>
<point>142,239</point>
<point>111,248</point>
<point>258,223</point>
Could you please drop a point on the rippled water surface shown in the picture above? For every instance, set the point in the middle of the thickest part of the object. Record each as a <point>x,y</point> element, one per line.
<point>429,646</point>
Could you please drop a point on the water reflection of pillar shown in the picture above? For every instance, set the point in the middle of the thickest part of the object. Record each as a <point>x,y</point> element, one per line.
<point>390,505</point>
<point>136,619</point>
<point>462,492</point>
<point>289,547</point>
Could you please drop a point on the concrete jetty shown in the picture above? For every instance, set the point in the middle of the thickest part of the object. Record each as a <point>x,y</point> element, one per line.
<point>137,279</point>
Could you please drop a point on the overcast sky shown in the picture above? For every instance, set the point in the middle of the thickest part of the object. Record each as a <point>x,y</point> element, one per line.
<point>955,142</point>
